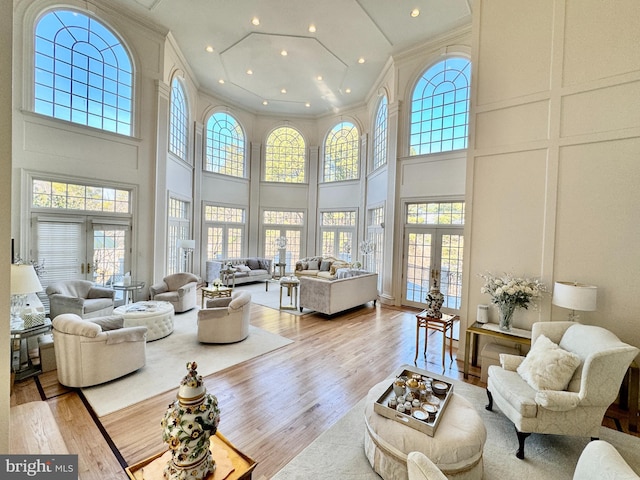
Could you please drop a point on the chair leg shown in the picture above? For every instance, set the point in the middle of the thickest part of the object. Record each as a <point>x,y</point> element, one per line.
<point>490,404</point>
<point>522,436</point>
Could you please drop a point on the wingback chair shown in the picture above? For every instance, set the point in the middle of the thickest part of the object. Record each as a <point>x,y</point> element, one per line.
<point>90,352</point>
<point>592,384</point>
<point>179,289</point>
<point>225,320</point>
<point>80,297</point>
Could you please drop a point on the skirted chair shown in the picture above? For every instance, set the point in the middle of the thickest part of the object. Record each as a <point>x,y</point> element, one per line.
<point>90,352</point>
<point>225,320</point>
<point>566,382</point>
<point>80,297</point>
<point>179,289</point>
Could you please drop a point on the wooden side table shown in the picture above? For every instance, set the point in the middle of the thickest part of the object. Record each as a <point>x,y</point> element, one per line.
<point>443,325</point>
<point>291,284</point>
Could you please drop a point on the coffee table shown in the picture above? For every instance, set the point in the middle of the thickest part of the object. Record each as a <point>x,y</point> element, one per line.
<point>456,447</point>
<point>156,316</point>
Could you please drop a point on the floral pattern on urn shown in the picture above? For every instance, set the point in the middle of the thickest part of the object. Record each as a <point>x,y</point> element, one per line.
<point>434,300</point>
<point>187,426</point>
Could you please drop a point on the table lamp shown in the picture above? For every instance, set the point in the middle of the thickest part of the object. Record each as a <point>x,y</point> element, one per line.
<point>575,296</point>
<point>23,282</point>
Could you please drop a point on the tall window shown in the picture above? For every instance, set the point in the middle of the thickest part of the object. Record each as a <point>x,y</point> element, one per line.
<point>341,153</point>
<point>288,224</point>
<point>224,227</point>
<point>225,148</point>
<point>179,228</point>
<point>285,156</point>
<point>337,232</point>
<point>440,108</point>
<point>178,121</point>
<point>371,250</point>
<point>380,135</point>
<point>434,245</point>
<point>82,72</point>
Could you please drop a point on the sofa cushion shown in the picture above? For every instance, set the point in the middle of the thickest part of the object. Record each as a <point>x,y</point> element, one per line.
<point>253,263</point>
<point>547,366</point>
<point>314,265</point>
<point>325,266</point>
<point>242,268</point>
<point>263,264</point>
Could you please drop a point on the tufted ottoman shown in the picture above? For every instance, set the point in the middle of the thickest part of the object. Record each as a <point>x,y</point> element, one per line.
<point>156,316</point>
<point>456,448</point>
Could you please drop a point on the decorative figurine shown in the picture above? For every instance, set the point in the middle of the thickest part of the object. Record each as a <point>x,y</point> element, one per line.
<point>187,426</point>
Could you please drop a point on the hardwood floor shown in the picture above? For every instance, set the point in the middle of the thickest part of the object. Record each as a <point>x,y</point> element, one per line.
<point>272,406</point>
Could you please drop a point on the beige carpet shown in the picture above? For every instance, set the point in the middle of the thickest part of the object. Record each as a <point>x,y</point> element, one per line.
<point>166,360</point>
<point>269,298</point>
<point>339,452</point>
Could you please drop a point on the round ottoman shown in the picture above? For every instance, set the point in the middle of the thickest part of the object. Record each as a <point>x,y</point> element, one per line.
<point>156,316</point>
<point>456,448</point>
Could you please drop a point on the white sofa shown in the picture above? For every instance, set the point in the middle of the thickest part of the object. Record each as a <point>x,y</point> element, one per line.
<point>322,267</point>
<point>249,269</point>
<point>333,296</point>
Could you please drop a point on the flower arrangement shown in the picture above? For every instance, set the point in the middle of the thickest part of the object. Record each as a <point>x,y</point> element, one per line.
<point>217,283</point>
<point>281,242</point>
<point>508,293</point>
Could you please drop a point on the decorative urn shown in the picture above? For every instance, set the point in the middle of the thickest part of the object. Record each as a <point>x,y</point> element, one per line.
<point>434,300</point>
<point>186,427</point>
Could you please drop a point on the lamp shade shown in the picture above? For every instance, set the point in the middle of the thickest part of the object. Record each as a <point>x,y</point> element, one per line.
<point>24,280</point>
<point>186,244</point>
<point>575,296</point>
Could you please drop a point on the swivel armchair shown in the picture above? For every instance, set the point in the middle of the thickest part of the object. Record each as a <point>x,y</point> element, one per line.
<point>179,289</point>
<point>80,297</point>
<point>225,320</point>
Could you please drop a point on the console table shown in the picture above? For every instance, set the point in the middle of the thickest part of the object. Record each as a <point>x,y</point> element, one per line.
<point>515,335</point>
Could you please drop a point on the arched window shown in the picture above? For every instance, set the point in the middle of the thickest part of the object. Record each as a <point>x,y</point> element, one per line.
<point>178,121</point>
<point>341,152</point>
<point>380,135</point>
<point>82,72</point>
<point>440,108</point>
<point>285,156</point>
<point>225,148</point>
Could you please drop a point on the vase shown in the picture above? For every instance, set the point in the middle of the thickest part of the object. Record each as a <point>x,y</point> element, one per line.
<point>434,299</point>
<point>506,316</point>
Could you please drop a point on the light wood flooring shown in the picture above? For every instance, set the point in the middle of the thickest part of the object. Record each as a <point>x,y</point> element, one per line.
<point>272,406</point>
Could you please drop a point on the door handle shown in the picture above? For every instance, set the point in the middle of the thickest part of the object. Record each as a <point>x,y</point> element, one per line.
<point>88,267</point>
<point>82,268</point>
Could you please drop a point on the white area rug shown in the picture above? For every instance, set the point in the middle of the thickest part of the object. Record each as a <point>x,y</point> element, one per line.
<point>166,360</point>
<point>271,298</point>
<point>339,452</point>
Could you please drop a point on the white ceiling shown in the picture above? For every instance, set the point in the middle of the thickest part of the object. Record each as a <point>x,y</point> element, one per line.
<point>346,30</point>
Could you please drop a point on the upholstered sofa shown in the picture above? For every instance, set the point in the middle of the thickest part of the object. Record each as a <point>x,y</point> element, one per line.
<point>81,297</point>
<point>333,296</point>
<point>90,352</point>
<point>249,269</point>
<point>319,266</point>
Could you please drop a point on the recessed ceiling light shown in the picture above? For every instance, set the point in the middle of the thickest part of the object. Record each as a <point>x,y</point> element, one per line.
<point>264,102</point>
<point>221,81</point>
<point>312,28</point>
<point>361,60</point>
<point>249,72</point>
<point>319,78</point>
<point>255,21</point>
<point>307,104</point>
<point>348,90</point>
<point>209,48</point>
<point>284,90</point>
<point>284,53</point>
<point>415,12</point>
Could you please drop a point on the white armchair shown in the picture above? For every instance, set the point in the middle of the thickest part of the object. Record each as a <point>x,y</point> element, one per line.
<point>225,320</point>
<point>179,289</point>
<point>575,405</point>
<point>420,467</point>
<point>601,460</point>
<point>80,297</point>
<point>93,352</point>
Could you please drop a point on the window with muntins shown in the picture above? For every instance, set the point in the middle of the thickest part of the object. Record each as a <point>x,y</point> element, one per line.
<point>225,146</point>
<point>341,153</point>
<point>380,135</point>
<point>225,231</point>
<point>440,108</point>
<point>74,196</point>
<point>82,73</point>
<point>178,121</point>
<point>337,233</point>
<point>285,158</point>
<point>282,223</point>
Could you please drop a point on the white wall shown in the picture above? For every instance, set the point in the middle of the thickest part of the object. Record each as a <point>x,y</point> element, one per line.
<point>555,153</point>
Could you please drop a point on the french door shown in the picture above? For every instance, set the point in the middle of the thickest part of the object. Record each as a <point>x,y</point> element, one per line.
<point>79,247</point>
<point>433,254</point>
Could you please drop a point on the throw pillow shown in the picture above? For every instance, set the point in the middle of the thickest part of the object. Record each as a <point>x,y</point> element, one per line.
<point>264,264</point>
<point>313,265</point>
<point>325,266</point>
<point>547,366</point>
<point>253,263</point>
<point>242,268</point>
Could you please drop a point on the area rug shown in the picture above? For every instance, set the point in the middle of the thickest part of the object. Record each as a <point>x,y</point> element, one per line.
<point>166,360</point>
<point>339,452</point>
<point>270,298</point>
